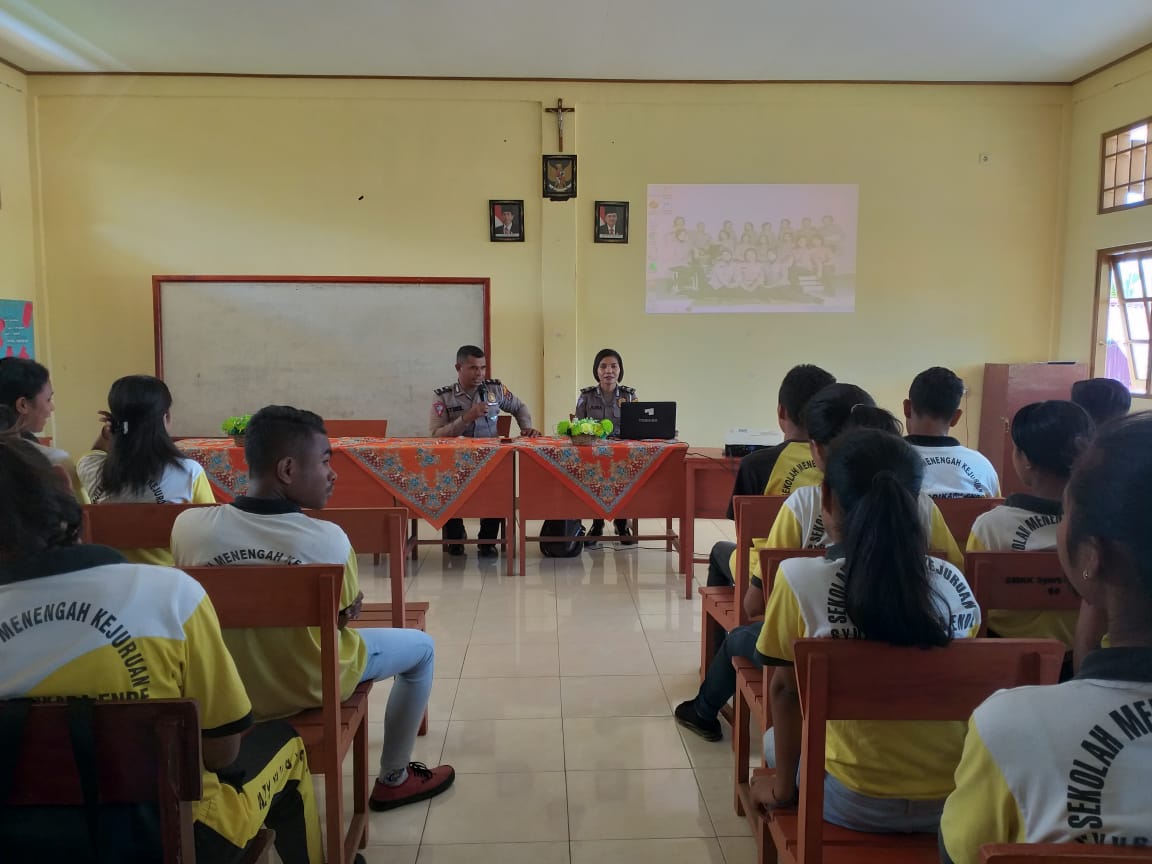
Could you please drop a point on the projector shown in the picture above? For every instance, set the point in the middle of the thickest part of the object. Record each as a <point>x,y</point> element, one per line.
<point>742,441</point>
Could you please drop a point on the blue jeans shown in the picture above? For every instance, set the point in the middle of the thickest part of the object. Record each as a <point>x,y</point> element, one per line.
<point>719,683</point>
<point>858,812</point>
<point>409,657</point>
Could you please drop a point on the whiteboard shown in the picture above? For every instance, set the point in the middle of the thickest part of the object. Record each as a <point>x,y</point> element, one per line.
<point>365,348</point>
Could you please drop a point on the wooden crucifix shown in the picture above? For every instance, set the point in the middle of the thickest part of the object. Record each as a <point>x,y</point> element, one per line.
<point>560,111</point>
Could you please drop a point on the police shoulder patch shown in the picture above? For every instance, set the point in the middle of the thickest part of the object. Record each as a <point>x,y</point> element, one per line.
<point>630,392</point>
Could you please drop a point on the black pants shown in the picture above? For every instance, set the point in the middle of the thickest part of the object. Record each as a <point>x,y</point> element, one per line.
<point>490,529</point>
<point>598,526</point>
<point>719,564</point>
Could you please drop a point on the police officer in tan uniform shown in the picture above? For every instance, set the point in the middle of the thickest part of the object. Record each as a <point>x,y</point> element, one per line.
<point>599,402</point>
<point>470,408</point>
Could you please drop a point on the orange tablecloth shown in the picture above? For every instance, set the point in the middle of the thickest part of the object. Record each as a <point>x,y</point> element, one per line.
<point>430,476</point>
<point>607,474</point>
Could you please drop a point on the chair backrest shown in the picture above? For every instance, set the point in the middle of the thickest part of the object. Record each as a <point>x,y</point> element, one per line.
<point>770,562</point>
<point>960,513</point>
<point>860,680</point>
<point>1061,853</point>
<point>754,517</point>
<point>146,752</point>
<point>132,526</point>
<point>357,428</point>
<point>376,531</point>
<point>1017,581</point>
<point>504,425</point>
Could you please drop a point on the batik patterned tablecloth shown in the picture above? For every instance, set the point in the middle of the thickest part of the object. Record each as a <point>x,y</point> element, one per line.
<point>428,475</point>
<point>606,474</point>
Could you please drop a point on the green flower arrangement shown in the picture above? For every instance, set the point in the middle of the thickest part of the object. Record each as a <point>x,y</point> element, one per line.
<point>236,426</point>
<point>585,429</point>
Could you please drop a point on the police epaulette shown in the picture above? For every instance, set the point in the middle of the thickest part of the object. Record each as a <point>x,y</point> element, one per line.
<point>492,381</point>
<point>590,389</point>
<point>630,391</point>
<point>447,389</point>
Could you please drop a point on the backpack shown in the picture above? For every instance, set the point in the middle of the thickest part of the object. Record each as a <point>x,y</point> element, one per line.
<point>561,548</point>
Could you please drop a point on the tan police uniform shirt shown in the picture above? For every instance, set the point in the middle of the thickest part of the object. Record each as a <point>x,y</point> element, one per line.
<point>452,402</point>
<point>594,405</point>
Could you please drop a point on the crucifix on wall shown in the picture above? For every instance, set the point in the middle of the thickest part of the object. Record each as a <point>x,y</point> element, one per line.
<point>560,111</point>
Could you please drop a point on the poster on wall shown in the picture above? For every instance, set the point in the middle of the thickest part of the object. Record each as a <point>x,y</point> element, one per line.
<point>16,329</point>
<point>741,248</point>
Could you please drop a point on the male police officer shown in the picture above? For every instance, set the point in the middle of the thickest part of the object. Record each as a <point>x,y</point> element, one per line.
<point>469,408</point>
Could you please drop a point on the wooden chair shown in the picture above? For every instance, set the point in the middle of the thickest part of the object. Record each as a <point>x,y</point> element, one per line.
<point>1019,581</point>
<point>1061,853</point>
<point>858,680</point>
<point>147,753</point>
<point>308,595</point>
<point>357,428</point>
<point>132,526</point>
<point>960,513</point>
<point>722,606</point>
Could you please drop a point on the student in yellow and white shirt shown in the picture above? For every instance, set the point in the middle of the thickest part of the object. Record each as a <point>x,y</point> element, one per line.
<point>775,470</point>
<point>80,621</point>
<point>288,455</point>
<point>932,409</point>
<point>879,583</point>
<point>134,461</point>
<point>1070,763</point>
<point>26,390</point>
<point>1047,438</point>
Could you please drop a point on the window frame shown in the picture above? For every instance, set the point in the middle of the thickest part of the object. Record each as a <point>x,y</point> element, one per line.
<point>1107,262</point>
<point>1127,127</point>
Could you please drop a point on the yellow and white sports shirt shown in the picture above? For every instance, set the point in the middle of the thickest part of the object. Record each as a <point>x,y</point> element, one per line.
<point>800,525</point>
<point>185,483</point>
<point>1023,523</point>
<point>881,759</point>
<point>1068,763</point>
<point>80,621</point>
<point>952,470</point>
<point>280,666</point>
<point>776,471</point>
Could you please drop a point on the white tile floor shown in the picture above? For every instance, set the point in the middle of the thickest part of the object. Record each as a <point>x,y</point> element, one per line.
<point>553,699</point>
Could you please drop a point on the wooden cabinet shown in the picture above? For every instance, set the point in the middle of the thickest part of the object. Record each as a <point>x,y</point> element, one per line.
<point>1007,388</point>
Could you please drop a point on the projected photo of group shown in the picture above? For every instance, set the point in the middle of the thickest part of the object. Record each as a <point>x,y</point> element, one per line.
<point>751,248</point>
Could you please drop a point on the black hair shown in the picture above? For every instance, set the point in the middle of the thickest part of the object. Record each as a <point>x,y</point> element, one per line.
<point>600,355</point>
<point>1052,434</point>
<point>141,448</point>
<point>936,393</point>
<point>8,418</point>
<point>37,512</point>
<point>467,351</point>
<point>275,432</point>
<point>876,477</point>
<point>1103,399</point>
<point>799,386</point>
<point>827,413</point>
<point>1109,492</point>
<point>20,378</point>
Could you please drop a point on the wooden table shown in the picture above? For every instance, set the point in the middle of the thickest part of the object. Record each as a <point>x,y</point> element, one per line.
<point>708,479</point>
<point>612,480</point>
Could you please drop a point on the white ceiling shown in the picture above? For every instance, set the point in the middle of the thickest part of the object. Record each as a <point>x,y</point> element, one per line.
<point>881,40</point>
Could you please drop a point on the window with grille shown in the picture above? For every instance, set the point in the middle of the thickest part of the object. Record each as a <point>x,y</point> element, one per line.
<point>1124,318</point>
<point>1126,169</point>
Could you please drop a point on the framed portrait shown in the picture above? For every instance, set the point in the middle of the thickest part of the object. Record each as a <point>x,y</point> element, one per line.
<point>611,222</point>
<point>560,177</point>
<point>506,221</point>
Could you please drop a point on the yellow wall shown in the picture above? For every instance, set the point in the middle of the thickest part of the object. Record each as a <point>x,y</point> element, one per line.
<point>957,261</point>
<point>1110,99</point>
<point>17,222</point>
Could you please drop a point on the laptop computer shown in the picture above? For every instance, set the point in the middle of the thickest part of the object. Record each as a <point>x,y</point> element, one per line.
<point>639,420</point>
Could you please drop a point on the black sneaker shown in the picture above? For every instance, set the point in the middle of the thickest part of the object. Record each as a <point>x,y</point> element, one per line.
<point>687,716</point>
<point>625,535</point>
<point>456,550</point>
<point>488,551</point>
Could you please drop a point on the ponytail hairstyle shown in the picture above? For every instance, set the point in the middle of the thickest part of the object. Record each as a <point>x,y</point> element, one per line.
<point>1052,435</point>
<point>875,477</point>
<point>141,447</point>
<point>37,512</point>
<point>839,407</point>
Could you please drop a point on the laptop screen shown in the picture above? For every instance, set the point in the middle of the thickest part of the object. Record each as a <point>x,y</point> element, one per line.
<point>639,420</point>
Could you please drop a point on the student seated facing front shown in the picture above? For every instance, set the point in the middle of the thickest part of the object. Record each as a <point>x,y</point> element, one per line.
<point>1072,762</point>
<point>1105,400</point>
<point>288,455</point>
<point>877,582</point>
<point>775,470</point>
<point>134,631</point>
<point>932,409</point>
<point>1047,438</point>
<point>133,459</point>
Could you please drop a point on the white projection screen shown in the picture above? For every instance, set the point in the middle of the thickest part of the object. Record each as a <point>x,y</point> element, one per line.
<point>738,248</point>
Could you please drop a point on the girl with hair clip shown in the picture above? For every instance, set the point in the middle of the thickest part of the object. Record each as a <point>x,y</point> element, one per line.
<point>1069,763</point>
<point>133,459</point>
<point>877,582</point>
<point>1047,438</point>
